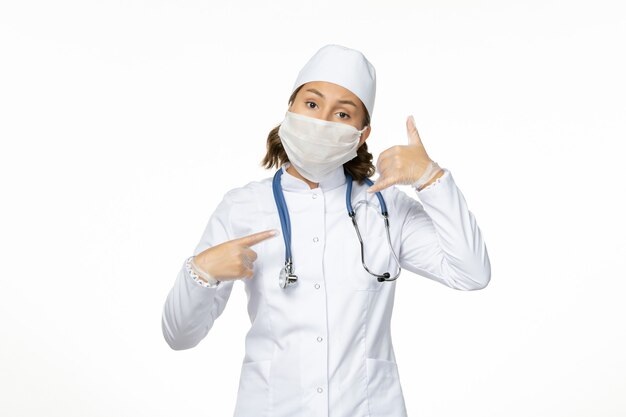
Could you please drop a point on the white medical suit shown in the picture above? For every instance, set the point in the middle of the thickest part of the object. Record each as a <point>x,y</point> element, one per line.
<point>323,347</point>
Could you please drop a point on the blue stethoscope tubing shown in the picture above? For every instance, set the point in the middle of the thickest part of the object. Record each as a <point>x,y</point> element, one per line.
<point>285,221</point>
<point>287,276</point>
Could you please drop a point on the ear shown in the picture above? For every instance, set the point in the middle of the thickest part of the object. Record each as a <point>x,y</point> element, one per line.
<point>365,135</point>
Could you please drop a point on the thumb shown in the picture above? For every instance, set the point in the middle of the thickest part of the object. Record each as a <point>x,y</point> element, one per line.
<point>411,131</point>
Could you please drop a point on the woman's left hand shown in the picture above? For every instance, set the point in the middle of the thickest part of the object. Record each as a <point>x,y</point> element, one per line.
<point>402,164</point>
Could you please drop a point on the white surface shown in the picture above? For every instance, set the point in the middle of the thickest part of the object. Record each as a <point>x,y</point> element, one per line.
<point>113,154</point>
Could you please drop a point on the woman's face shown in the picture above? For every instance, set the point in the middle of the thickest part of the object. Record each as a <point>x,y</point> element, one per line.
<point>332,102</point>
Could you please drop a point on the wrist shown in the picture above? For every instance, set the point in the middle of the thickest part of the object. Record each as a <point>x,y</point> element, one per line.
<point>201,277</point>
<point>433,179</point>
<point>428,176</point>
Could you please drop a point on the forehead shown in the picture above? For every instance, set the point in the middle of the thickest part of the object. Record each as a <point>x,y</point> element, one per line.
<point>329,89</point>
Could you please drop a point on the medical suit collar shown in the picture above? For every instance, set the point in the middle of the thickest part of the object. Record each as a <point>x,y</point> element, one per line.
<point>332,180</point>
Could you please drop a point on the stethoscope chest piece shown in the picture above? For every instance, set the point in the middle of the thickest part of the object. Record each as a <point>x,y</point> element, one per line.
<point>287,278</point>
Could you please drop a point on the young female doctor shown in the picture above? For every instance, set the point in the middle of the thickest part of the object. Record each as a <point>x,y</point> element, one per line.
<point>328,247</point>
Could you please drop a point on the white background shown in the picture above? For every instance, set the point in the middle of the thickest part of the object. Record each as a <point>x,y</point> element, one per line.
<point>122,125</point>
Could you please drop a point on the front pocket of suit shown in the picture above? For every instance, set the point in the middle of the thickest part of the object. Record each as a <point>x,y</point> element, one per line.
<point>253,397</point>
<point>383,388</point>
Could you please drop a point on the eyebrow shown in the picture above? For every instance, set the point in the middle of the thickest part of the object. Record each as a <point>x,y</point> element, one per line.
<point>350,102</point>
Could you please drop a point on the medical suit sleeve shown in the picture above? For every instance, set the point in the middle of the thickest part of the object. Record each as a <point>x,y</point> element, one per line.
<point>441,239</point>
<point>191,309</point>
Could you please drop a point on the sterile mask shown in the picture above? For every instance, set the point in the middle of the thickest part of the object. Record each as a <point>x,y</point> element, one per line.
<point>316,147</point>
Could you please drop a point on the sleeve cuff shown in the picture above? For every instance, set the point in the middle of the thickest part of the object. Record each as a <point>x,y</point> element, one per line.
<point>192,276</point>
<point>445,178</point>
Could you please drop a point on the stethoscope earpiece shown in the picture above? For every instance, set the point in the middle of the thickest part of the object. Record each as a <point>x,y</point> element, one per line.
<point>384,277</point>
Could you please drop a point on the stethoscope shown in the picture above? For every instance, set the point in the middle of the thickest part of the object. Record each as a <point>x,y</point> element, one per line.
<point>287,277</point>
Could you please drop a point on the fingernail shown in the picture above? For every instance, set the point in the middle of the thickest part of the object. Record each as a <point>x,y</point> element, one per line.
<point>274,232</point>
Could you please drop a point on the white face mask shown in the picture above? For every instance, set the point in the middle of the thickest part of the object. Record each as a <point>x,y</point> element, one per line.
<point>316,147</point>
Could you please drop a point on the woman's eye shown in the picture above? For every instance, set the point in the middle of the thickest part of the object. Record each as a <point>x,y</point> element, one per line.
<point>312,105</point>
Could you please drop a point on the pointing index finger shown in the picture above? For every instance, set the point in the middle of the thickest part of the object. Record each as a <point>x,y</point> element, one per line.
<point>255,238</point>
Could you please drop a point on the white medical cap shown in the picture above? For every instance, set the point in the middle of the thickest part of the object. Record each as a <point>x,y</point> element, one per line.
<point>343,66</point>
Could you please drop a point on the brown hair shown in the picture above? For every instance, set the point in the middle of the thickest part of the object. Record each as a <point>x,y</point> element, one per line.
<point>359,167</point>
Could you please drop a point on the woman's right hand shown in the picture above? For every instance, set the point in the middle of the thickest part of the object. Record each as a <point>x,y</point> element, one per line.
<point>232,259</point>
